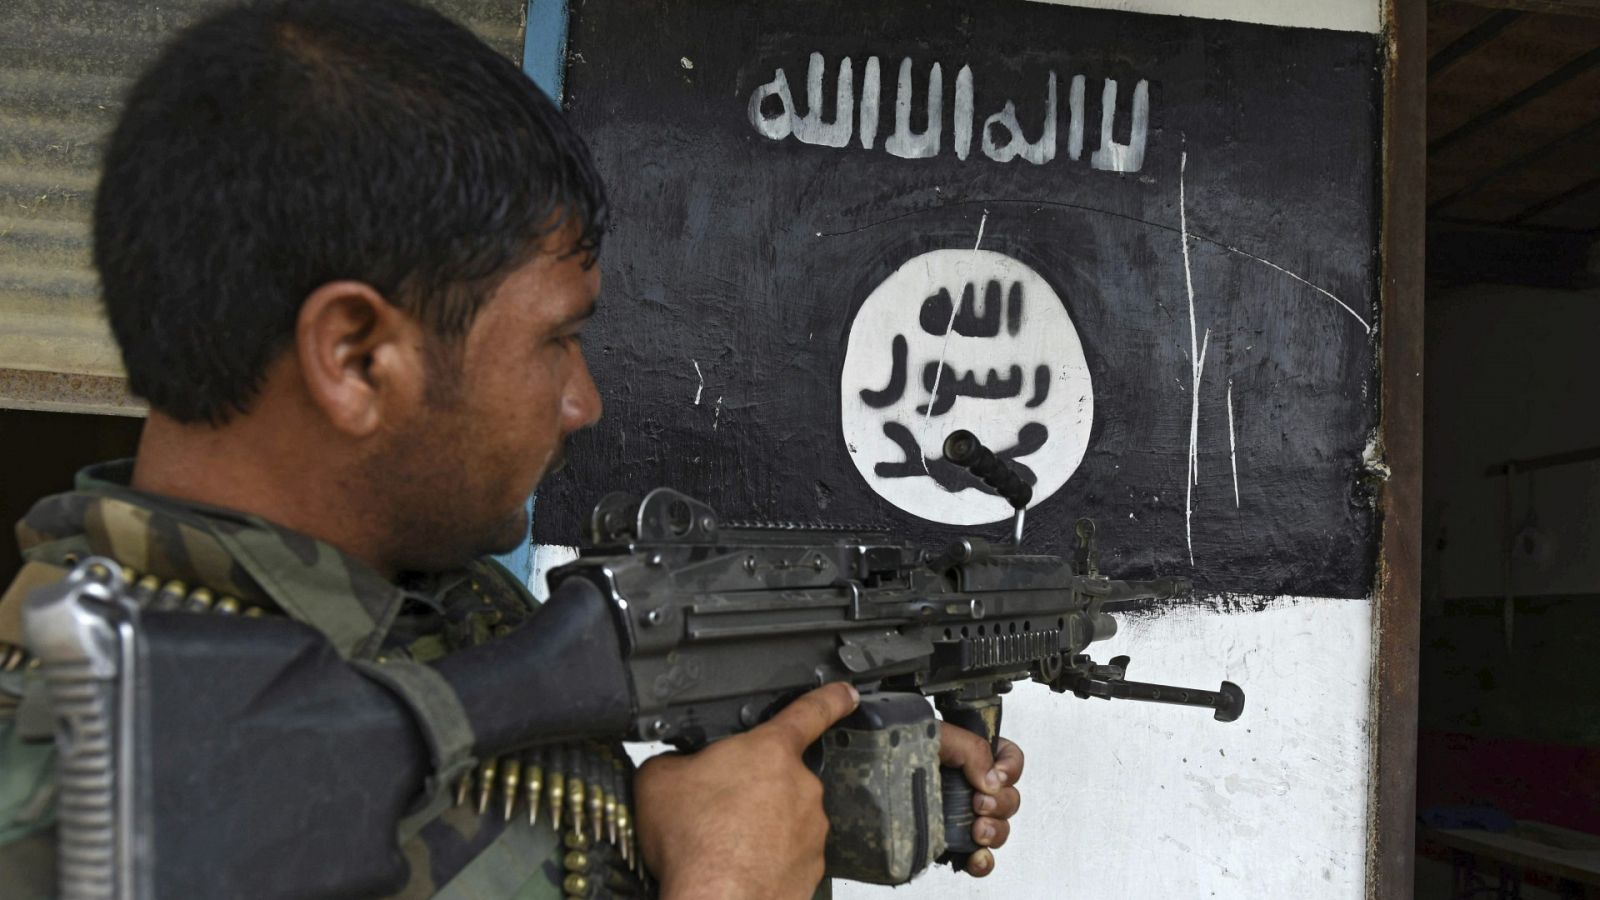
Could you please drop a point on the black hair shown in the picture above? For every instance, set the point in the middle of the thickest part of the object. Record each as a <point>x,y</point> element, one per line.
<point>277,146</point>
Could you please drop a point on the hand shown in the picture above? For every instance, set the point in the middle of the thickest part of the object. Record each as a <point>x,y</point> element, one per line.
<point>995,798</point>
<point>743,817</point>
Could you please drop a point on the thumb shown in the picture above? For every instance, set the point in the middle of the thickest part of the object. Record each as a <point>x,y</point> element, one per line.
<point>802,722</point>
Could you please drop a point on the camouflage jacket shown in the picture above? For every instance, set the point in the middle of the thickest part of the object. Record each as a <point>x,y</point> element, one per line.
<point>481,842</point>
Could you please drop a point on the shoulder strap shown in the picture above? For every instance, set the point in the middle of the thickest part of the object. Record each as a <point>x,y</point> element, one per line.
<point>438,714</point>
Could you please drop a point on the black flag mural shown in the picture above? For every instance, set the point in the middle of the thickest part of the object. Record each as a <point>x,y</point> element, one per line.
<point>1134,254</point>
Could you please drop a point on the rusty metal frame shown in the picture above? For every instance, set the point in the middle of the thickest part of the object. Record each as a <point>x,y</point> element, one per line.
<point>1397,611</point>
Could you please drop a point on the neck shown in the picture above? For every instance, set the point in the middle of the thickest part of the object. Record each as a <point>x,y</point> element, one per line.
<point>264,467</point>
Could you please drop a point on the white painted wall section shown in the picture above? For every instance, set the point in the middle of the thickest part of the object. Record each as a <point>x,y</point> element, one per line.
<point>545,558</point>
<point>1139,801</point>
<point>1335,15</point>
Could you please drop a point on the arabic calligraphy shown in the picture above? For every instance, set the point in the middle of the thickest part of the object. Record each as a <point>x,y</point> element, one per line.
<point>963,339</point>
<point>939,312</point>
<point>775,115</point>
<point>943,384</point>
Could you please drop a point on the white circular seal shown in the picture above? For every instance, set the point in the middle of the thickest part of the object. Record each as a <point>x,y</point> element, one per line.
<point>963,339</point>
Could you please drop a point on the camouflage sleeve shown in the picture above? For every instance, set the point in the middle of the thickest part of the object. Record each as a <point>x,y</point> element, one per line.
<point>27,800</point>
<point>512,586</point>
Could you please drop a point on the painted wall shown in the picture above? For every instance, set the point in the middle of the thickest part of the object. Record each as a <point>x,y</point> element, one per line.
<point>1122,800</point>
<point>1138,262</point>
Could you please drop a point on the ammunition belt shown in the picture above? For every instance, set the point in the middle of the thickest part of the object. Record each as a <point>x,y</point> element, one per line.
<point>13,657</point>
<point>151,593</point>
<point>585,786</point>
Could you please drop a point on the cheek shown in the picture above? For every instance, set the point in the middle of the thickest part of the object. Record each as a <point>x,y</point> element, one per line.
<point>519,412</point>
<point>515,390</point>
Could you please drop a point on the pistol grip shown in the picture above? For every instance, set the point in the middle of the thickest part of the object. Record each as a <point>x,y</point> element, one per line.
<point>981,717</point>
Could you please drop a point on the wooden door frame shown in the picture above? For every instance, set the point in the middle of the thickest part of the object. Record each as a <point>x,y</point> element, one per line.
<point>1397,610</point>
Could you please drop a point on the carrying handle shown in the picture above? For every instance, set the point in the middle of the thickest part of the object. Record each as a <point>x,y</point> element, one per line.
<point>965,450</point>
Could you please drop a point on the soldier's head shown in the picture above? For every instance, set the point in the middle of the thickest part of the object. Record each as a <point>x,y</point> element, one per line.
<point>357,220</point>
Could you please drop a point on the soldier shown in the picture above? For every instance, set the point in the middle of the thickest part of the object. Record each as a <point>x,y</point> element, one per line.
<point>347,251</point>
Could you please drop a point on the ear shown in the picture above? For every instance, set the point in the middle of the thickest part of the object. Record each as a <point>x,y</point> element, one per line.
<point>359,355</point>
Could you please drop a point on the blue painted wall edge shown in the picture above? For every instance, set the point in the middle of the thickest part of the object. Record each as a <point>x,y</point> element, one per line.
<point>544,49</point>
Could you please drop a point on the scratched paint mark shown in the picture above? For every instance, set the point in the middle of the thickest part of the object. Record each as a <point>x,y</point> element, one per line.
<point>1194,412</point>
<point>1233,453</point>
<point>1082,207</point>
<point>716,416</point>
<point>1192,476</point>
<point>944,353</point>
<point>1316,287</point>
<point>701,387</point>
<point>1194,456</point>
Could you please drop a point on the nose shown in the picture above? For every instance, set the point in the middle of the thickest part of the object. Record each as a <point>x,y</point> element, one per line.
<point>580,404</point>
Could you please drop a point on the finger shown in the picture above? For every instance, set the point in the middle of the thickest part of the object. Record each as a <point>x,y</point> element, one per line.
<point>656,766</point>
<point>991,832</point>
<point>1009,760</point>
<point>1003,805</point>
<point>800,723</point>
<point>980,863</point>
<point>960,748</point>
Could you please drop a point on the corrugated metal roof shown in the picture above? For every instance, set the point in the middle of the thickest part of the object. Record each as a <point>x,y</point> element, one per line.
<point>64,65</point>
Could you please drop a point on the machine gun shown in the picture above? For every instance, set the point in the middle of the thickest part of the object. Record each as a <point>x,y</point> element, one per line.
<point>674,626</point>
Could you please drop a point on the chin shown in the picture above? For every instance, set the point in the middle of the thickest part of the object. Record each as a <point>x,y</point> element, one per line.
<point>512,533</point>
